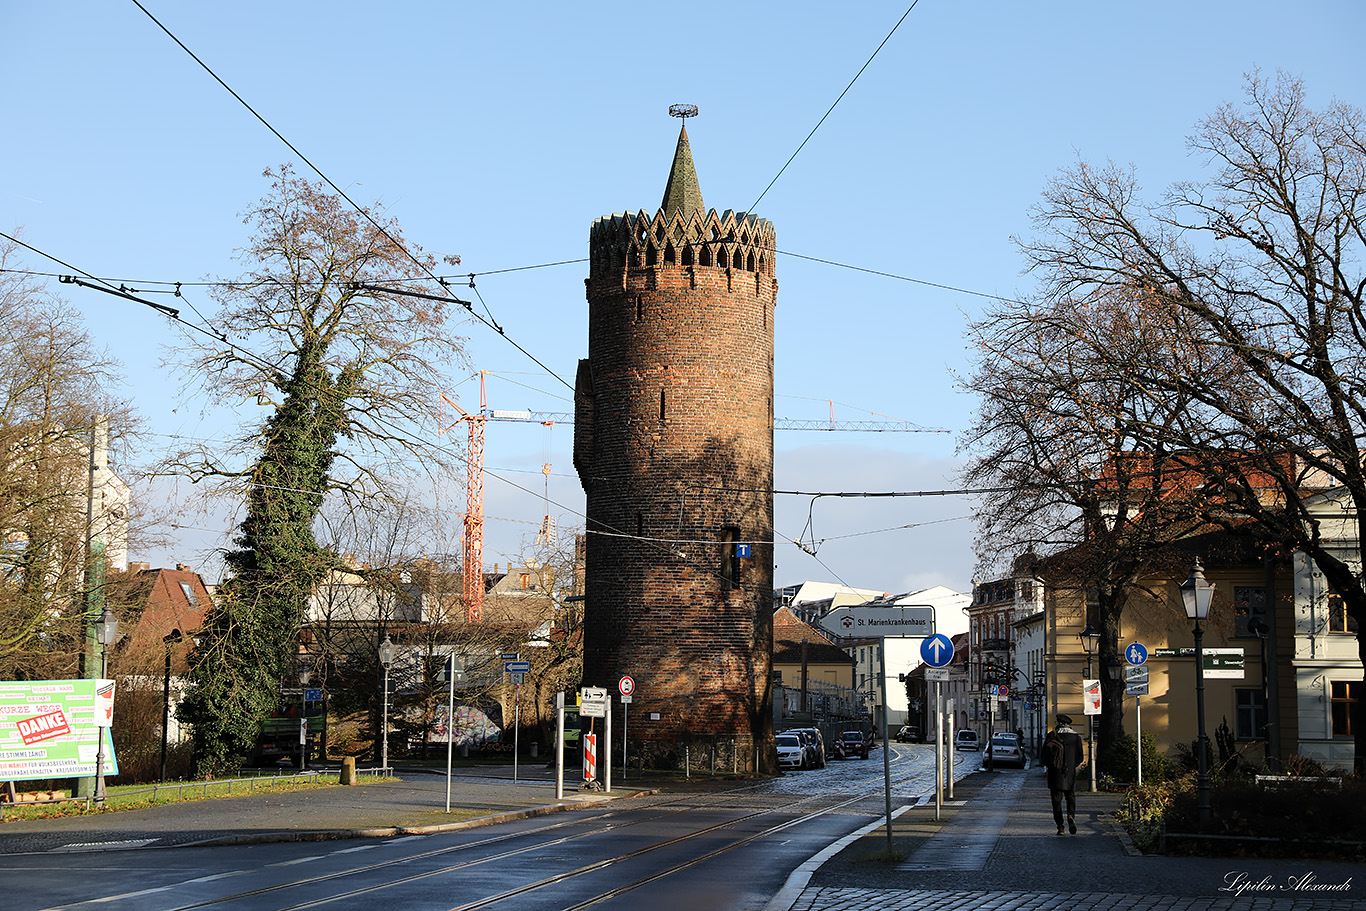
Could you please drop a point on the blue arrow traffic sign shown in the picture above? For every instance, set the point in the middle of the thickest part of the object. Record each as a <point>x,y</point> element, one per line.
<point>937,650</point>
<point>1135,653</point>
<point>516,667</point>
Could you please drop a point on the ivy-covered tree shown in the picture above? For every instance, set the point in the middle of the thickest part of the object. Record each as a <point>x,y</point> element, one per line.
<point>349,373</point>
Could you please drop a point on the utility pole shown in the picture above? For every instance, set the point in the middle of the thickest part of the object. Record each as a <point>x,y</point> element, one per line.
<point>97,541</point>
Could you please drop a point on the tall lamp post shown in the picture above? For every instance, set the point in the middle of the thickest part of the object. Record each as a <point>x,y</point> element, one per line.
<point>169,640</point>
<point>1196,594</point>
<point>1090,638</point>
<point>386,658</point>
<point>106,634</point>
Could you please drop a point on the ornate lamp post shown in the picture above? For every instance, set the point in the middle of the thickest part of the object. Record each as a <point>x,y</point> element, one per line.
<point>1090,638</point>
<point>168,640</point>
<point>1196,594</point>
<point>106,634</point>
<point>386,659</point>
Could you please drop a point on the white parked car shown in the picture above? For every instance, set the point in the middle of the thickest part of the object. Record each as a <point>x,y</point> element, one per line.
<point>792,752</point>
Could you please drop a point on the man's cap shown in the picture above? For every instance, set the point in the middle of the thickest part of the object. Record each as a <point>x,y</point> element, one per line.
<point>1064,719</point>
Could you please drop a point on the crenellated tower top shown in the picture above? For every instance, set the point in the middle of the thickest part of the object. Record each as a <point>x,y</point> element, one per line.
<point>683,232</point>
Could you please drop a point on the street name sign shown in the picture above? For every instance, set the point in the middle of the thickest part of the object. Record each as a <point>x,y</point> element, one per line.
<point>911,622</point>
<point>1224,663</point>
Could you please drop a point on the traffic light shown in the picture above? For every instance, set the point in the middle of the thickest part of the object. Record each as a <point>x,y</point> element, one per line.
<point>989,670</point>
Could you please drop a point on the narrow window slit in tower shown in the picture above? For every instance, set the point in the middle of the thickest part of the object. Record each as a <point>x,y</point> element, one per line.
<point>640,308</point>
<point>661,404</point>
<point>730,558</point>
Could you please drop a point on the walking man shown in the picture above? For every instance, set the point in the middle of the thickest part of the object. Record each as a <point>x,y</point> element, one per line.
<point>1061,754</point>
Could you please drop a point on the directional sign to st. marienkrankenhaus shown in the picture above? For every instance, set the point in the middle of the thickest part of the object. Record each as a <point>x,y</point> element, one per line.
<point>873,622</point>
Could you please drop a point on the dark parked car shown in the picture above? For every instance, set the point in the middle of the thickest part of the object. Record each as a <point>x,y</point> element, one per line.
<point>813,738</point>
<point>909,733</point>
<point>854,743</point>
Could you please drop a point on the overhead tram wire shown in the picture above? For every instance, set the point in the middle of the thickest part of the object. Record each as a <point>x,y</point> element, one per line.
<point>102,285</point>
<point>399,432</point>
<point>567,262</point>
<point>492,324</point>
<point>833,105</point>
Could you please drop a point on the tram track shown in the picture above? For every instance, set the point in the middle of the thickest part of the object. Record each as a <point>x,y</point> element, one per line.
<point>810,807</point>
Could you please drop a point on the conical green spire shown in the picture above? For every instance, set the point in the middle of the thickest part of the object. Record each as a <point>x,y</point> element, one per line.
<point>682,191</point>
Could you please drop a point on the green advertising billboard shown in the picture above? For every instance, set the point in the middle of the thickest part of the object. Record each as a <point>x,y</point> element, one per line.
<point>48,728</point>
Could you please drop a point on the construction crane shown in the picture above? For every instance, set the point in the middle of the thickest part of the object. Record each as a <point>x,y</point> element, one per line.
<point>474,473</point>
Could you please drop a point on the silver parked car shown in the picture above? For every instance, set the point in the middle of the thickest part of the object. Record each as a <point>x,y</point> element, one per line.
<point>1004,749</point>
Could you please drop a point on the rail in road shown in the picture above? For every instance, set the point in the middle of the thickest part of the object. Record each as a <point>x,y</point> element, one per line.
<point>578,863</point>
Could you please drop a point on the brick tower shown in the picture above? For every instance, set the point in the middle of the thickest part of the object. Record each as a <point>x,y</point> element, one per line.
<point>673,442</point>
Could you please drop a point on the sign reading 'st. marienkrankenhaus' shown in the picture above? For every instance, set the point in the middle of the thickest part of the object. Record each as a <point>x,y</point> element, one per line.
<point>50,728</point>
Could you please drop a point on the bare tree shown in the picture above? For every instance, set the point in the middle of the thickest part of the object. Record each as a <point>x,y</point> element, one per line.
<point>1257,269</point>
<point>1058,396</point>
<point>56,380</point>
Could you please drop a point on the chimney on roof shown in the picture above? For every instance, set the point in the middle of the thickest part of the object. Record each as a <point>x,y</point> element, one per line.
<point>184,568</point>
<point>139,567</point>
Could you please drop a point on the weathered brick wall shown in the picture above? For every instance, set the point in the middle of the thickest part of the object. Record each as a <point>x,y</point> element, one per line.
<point>674,446</point>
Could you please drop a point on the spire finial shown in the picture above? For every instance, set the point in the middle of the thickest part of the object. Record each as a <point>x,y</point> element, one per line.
<point>682,192</point>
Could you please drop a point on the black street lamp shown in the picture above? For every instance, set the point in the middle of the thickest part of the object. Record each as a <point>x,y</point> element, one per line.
<point>106,634</point>
<point>1196,593</point>
<point>386,658</point>
<point>169,640</point>
<point>1090,638</point>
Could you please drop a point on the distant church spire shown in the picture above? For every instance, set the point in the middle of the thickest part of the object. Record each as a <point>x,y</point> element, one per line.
<point>682,191</point>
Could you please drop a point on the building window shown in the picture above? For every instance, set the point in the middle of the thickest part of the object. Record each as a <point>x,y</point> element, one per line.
<point>189,594</point>
<point>1249,603</point>
<point>1345,695</point>
<point>526,581</point>
<point>730,558</point>
<point>1338,619</point>
<point>1251,705</point>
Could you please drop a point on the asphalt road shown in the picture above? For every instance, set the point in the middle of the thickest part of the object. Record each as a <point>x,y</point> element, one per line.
<point>699,844</point>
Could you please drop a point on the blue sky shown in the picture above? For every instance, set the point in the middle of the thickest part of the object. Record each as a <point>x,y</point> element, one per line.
<point>500,131</point>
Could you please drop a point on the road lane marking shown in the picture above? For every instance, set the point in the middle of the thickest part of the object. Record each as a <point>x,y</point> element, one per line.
<point>212,877</point>
<point>115,898</point>
<point>297,860</point>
